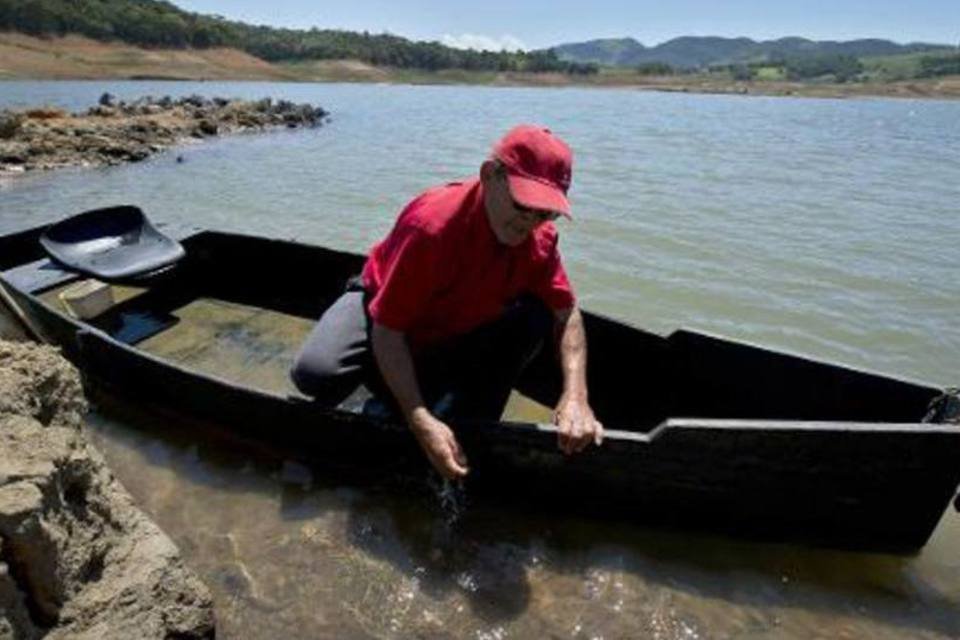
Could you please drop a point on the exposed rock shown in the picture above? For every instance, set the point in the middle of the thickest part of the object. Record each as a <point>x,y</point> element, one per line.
<point>102,111</point>
<point>113,132</point>
<point>10,123</point>
<point>15,619</point>
<point>36,382</point>
<point>195,100</point>
<point>77,558</point>
<point>14,153</point>
<point>208,127</point>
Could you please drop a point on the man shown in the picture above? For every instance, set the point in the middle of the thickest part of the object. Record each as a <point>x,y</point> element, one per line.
<point>457,299</point>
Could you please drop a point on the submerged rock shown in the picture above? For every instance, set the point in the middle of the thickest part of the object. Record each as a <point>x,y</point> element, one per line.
<point>78,559</point>
<point>113,132</point>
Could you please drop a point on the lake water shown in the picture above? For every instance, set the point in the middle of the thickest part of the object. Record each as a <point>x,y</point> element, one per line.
<point>827,227</point>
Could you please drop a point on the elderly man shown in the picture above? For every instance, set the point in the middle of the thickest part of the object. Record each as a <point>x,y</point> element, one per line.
<point>457,299</point>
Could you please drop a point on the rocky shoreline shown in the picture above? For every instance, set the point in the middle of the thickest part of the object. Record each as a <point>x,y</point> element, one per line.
<point>78,559</point>
<point>115,132</point>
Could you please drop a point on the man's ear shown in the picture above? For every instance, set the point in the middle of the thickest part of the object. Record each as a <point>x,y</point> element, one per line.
<point>488,171</point>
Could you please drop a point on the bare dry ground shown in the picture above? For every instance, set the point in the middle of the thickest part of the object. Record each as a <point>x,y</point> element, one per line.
<point>339,71</point>
<point>75,57</point>
<point>948,87</point>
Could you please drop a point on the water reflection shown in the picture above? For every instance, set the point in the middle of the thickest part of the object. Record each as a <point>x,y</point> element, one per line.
<point>293,549</point>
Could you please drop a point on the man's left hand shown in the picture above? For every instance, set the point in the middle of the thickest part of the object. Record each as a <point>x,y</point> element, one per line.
<point>577,424</point>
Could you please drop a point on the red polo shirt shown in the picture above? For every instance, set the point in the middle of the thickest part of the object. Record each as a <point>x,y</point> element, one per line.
<point>442,272</point>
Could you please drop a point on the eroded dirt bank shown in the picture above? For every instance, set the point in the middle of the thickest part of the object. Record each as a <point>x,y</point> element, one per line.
<point>78,559</point>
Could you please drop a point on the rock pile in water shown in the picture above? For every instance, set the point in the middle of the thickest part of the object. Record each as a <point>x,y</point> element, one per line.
<point>113,131</point>
<point>78,559</point>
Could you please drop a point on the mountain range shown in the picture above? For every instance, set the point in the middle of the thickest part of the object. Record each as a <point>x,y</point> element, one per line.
<point>689,52</point>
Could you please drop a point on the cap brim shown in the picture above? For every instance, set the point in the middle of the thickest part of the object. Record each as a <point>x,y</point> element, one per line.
<point>537,195</point>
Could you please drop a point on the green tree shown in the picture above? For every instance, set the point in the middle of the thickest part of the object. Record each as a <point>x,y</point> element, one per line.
<point>741,72</point>
<point>934,66</point>
<point>842,67</point>
<point>655,69</point>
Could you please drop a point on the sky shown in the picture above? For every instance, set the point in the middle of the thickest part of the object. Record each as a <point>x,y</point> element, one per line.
<point>542,23</point>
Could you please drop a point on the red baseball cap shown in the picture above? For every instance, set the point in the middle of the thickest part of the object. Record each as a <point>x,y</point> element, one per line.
<point>539,166</point>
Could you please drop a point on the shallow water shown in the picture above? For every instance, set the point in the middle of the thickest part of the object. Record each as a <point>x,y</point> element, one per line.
<point>819,226</point>
<point>292,550</point>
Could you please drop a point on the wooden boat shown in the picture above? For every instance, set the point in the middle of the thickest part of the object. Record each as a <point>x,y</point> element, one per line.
<point>703,431</point>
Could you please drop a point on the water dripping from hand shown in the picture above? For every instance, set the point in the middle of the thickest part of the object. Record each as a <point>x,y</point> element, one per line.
<point>451,497</point>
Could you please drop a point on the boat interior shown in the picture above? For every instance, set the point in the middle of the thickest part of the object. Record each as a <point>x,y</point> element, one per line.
<point>238,308</point>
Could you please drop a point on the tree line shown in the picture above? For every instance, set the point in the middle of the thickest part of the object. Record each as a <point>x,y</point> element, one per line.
<point>155,23</point>
<point>840,67</point>
<point>935,66</point>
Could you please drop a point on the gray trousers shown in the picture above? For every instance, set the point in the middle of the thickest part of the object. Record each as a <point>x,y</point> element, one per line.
<point>469,376</point>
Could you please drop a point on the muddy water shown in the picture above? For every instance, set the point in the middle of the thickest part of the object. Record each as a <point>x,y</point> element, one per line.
<point>293,551</point>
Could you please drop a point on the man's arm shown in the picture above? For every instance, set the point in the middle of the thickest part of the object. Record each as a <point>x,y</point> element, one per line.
<point>436,438</point>
<point>573,415</point>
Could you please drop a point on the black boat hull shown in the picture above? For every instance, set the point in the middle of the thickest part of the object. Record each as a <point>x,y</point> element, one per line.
<point>784,448</point>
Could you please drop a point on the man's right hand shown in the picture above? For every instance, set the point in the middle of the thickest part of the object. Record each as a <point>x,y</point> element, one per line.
<point>439,443</point>
<point>437,440</point>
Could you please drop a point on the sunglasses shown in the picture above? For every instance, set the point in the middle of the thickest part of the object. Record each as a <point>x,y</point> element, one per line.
<point>539,214</point>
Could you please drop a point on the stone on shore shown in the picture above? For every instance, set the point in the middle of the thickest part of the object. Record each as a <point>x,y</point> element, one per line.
<point>78,559</point>
<point>114,132</point>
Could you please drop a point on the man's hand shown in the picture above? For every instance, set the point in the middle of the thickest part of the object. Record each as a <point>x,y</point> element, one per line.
<point>439,443</point>
<point>578,426</point>
<point>436,439</point>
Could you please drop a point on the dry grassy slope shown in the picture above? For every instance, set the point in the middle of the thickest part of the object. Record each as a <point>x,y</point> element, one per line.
<point>23,56</point>
<point>338,71</point>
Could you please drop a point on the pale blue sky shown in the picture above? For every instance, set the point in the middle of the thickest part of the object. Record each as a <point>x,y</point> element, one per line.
<point>542,23</point>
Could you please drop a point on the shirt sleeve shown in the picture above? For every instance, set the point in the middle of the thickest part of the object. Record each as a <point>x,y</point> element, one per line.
<point>552,285</point>
<point>411,262</point>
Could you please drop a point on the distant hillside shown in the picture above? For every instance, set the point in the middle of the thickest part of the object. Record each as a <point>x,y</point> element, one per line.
<point>160,24</point>
<point>23,56</point>
<point>611,52</point>
<point>690,52</point>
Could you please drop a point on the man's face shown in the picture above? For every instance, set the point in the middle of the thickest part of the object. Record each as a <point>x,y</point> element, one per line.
<point>511,222</point>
